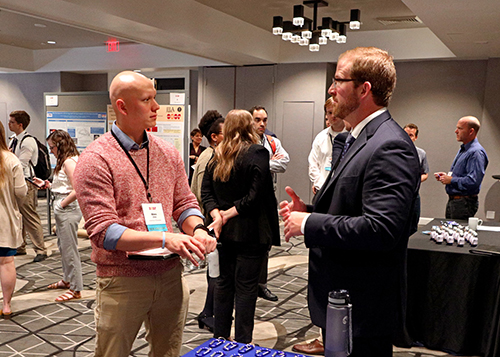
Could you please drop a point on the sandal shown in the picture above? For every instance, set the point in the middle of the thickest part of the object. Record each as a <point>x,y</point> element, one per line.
<point>69,295</point>
<point>6,315</point>
<point>61,284</point>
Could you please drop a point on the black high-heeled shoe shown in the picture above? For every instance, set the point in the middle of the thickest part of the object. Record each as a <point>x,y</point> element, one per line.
<point>205,322</point>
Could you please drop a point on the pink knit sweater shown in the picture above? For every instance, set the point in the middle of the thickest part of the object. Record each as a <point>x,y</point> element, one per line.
<point>109,190</point>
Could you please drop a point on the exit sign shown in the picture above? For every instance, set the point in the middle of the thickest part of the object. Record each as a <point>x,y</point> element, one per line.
<point>113,45</point>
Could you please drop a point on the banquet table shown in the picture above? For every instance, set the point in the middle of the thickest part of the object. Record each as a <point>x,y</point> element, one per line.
<point>454,294</point>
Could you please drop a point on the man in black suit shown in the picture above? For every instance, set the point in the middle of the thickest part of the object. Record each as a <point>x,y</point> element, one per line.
<point>361,219</point>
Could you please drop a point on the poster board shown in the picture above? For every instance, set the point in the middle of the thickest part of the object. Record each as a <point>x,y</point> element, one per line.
<point>170,126</point>
<point>75,107</point>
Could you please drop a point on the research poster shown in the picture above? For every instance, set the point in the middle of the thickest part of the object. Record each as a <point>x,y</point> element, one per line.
<point>83,127</point>
<point>169,124</point>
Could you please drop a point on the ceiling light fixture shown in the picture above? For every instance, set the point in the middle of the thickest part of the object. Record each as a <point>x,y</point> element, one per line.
<point>51,42</point>
<point>302,28</point>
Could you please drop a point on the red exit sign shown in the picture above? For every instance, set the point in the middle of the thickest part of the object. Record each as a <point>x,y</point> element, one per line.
<point>113,45</point>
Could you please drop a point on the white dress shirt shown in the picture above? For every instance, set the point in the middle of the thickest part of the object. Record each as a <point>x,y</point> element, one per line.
<point>26,152</point>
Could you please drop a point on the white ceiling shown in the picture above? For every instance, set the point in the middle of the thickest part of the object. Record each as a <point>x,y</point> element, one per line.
<point>187,33</point>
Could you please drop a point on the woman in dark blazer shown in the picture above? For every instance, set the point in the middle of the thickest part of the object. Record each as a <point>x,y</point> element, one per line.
<point>238,194</point>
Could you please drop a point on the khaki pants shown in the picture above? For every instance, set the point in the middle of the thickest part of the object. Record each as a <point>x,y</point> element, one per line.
<point>32,225</point>
<point>123,304</point>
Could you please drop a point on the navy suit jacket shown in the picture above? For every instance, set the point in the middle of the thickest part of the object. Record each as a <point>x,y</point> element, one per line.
<point>359,227</point>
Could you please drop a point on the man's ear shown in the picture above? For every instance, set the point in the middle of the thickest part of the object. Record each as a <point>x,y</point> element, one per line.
<point>120,105</point>
<point>366,88</point>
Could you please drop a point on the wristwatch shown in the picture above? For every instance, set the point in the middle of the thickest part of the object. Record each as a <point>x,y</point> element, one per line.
<point>201,226</point>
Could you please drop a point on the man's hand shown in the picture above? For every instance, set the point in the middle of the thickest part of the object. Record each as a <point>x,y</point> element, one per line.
<point>206,239</point>
<point>443,178</point>
<point>182,244</point>
<point>277,157</point>
<point>296,205</point>
<point>293,224</point>
<point>293,214</point>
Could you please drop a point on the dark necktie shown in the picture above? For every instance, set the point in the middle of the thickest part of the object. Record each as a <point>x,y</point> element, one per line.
<point>348,142</point>
<point>13,145</point>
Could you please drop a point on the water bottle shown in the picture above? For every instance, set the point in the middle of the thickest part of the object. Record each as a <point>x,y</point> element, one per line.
<point>213,264</point>
<point>338,324</point>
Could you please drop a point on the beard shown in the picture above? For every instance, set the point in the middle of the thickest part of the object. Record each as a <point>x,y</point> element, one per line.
<point>342,110</point>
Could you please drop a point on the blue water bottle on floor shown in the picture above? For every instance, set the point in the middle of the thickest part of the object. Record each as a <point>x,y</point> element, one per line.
<point>338,340</point>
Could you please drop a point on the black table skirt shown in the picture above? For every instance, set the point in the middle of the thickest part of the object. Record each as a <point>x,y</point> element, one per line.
<point>453,296</point>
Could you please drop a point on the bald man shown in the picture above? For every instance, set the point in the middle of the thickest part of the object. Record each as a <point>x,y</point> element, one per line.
<point>463,182</point>
<point>120,179</point>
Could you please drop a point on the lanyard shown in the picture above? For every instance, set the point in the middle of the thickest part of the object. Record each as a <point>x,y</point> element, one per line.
<point>146,183</point>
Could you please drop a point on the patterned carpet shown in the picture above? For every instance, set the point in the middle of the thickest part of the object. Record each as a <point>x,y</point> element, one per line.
<point>41,327</point>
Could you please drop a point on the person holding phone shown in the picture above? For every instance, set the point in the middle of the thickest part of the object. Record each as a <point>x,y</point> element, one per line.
<point>12,188</point>
<point>67,213</point>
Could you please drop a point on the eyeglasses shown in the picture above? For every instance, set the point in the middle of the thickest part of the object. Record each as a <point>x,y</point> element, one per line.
<point>336,81</point>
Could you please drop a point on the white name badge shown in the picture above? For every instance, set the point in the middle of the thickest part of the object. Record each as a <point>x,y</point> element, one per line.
<point>155,219</point>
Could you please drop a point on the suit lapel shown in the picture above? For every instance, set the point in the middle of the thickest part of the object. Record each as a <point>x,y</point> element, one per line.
<point>360,142</point>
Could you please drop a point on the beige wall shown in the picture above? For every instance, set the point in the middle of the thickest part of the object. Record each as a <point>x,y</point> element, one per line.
<point>434,95</point>
<point>431,94</point>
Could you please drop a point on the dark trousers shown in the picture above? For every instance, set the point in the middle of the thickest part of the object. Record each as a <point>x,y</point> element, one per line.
<point>237,287</point>
<point>462,208</point>
<point>263,271</point>
<point>379,346</point>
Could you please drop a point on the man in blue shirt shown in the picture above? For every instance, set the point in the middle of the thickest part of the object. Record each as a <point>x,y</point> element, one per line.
<point>463,182</point>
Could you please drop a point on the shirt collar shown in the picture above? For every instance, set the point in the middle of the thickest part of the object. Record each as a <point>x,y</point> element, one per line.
<point>332,132</point>
<point>467,146</point>
<point>127,142</point>
<point>20,136</point>
<point>357,130</point>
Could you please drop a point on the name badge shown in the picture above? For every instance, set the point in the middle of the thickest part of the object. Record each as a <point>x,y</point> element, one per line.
<point>328,166</point>
<point>155,219</point>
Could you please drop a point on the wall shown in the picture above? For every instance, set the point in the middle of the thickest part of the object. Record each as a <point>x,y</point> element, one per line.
<point>434,95</point>
<point>25,92</point>
<point>293,95</point>
<point>431,94</point>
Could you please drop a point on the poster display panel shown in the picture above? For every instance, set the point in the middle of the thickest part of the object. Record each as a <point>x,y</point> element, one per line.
<point>83,127</point>
<point>169,124</point>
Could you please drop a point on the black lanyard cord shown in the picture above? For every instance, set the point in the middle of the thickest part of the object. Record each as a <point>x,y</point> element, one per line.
<point>146,183</point>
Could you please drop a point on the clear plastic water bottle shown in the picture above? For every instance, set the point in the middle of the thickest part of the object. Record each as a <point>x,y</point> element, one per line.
<point>213,264</point>
<point>338,324</point>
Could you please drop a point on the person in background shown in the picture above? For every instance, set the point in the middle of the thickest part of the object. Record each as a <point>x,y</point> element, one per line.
<point>278,162</point>
<point>26,150</point>
<point>211,125</point>
<point>320,157</point>
<point>66,212</point>
<point>412,131</point>
<point>12,189</point>
<point>120,180</point>
<point>195,150</point>
<point>463,182</point>
<point>239,197</point>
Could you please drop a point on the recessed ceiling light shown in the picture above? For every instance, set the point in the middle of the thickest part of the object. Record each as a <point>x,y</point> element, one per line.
<point>137,70</point>
<point>51,42</point>
<point>40,25</point>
